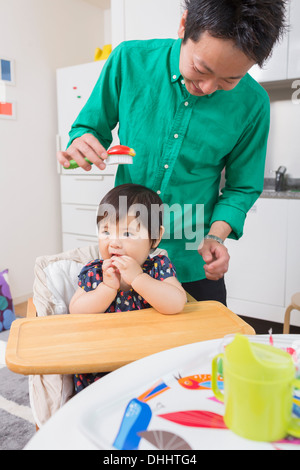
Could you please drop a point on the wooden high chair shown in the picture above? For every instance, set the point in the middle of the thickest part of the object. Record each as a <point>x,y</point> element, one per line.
<point>54,345</point>
<point>50,349</point>
<point>55,342</point>
<point>294,305</point>
<point>68,344</point>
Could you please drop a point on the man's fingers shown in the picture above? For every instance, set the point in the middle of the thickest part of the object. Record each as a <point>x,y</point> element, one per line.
<point>63,159</point>
<point>213,277</point>
<point>96,146</point>
<point>215,270</point>
<point>73,154</point>
<point>90,153</point>
<point>217,264</point>
<point>79,157</point>
<point>86,146</point>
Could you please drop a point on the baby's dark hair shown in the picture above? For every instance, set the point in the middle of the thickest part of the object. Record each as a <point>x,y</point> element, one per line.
<point>254,25</point>
<point>143,203</point>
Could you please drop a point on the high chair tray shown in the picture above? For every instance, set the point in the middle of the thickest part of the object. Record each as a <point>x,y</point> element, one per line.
<point>66,344</point>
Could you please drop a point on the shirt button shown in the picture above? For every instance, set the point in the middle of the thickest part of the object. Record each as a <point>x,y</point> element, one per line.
<point>176,136</point>
<point>166,167</point>
<point>158,192</point>
<point>174,77</point>
<point>186,103</point>
<point>182,81</point>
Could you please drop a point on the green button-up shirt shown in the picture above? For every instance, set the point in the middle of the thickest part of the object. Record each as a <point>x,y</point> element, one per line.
<point>182,142</point>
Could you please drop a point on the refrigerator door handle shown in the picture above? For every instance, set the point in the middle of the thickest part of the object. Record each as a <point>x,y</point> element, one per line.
<point>58,149</point>
<point>58,143</point>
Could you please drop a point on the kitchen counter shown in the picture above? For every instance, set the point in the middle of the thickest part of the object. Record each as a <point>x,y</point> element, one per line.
<point>288,194</point>
<point>291,189</point>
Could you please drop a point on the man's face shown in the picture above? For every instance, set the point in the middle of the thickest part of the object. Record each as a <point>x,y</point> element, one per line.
<point>211,63</point>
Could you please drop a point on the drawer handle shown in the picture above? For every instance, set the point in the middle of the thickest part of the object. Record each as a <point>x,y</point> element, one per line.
<point>90,178</point>
<point>85,209</point>
<point>81,239</point>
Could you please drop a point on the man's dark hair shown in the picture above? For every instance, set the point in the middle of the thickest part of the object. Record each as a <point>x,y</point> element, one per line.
<point>254,25</point>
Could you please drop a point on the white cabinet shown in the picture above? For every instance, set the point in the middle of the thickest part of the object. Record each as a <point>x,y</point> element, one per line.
<point>81,191</point>
<point>293,251</point>
<point>141,19</point>
<point>294,41</point>
<point>257,261</point>
<point>285,61</point>
<point>87,215</point>
<point>73,240</point>
<point>264,269</point>
<point>155,19</point>
<point>276,68</point>
<point>144,19</point>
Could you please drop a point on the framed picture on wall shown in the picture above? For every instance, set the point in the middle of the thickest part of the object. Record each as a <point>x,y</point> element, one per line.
<point>7,71</point>
<point>8,110</point>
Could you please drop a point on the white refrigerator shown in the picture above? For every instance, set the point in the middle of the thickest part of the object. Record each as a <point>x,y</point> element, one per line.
<point>81,191</point>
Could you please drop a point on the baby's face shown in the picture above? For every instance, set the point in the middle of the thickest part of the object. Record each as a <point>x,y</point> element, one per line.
<point>126,237</point>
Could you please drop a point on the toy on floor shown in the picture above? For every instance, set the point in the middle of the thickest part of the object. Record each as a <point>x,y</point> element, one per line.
<point>119,154</point>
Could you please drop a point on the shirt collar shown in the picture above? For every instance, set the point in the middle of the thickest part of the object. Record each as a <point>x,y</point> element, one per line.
<point>174,61</point>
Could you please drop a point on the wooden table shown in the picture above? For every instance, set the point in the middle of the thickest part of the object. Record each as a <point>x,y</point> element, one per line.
<point>66,344</point>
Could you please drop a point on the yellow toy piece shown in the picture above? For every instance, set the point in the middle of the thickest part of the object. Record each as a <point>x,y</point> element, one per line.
<point>102,54</point>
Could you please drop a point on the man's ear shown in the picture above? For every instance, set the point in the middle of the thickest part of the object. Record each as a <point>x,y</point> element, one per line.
<point>161,232</point>
<point>181,30</point>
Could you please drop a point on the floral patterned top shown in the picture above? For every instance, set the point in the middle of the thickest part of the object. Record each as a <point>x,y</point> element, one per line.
<point>159,267</point>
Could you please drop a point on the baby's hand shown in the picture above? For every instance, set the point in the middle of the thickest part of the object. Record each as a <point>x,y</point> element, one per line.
<point>111,276</point>
<point>128,267</point>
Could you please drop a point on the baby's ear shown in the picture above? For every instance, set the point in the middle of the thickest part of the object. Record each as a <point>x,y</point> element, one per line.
<point>157,242</point>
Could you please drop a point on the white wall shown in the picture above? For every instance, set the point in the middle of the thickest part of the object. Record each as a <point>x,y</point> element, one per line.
<point>40,35</point>
<point>284,138</point>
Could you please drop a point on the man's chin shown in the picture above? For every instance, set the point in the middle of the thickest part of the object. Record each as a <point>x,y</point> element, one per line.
<point>193,90</point>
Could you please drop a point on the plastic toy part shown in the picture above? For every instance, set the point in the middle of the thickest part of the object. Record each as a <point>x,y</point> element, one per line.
<point>102,54</point>
<point>119,154</point>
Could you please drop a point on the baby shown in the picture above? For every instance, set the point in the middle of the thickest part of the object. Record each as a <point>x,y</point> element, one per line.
<point>127,278</point>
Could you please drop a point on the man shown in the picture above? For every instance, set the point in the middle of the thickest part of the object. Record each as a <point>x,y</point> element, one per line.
<point>190,110</point>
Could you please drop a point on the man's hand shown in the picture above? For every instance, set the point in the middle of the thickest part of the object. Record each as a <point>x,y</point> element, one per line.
<point>86,146</point>
<point>213,253</point>
<point>216,258</point>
